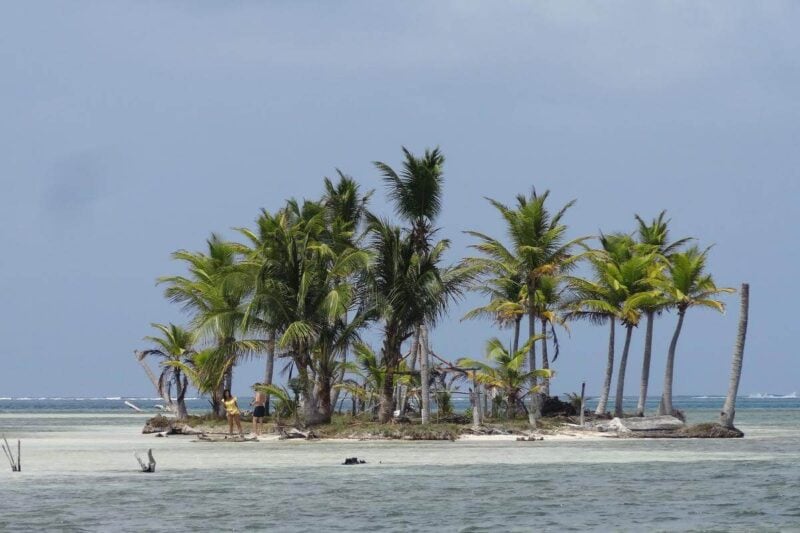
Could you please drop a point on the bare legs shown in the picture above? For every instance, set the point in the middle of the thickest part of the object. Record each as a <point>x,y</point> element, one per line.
<point>258,425</point>
<point>234,418</point>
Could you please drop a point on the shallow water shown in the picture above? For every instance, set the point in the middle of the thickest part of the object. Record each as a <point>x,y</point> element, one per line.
<point>79,474</point>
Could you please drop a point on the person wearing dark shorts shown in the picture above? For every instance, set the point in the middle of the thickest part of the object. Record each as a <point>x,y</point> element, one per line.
<point>259,409</point>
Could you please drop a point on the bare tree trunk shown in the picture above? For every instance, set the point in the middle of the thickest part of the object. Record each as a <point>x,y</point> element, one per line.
<point>515,344</point>
<point>604,393</point>
<point>648,346</point>
<point>424,372</point>
<point>665,408</point>
<point>623,363</point>
<point>545,360</point>
<point>270,367</point>
<point>729,409</point>
<point>154,380</point>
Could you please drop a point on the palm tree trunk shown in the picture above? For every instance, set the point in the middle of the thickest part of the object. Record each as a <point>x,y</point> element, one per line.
<point>270,368</point>
<point>515,344</point>
<point>424,373</point>
<point>729,409</point>
<point>648,346</point>
<point>534,410</point>
<point>181,384</point>
<point>623,363</point>
<point>665,408</point>
<point>601,405</point>
<point>545,360</point>
<point>391,358</point>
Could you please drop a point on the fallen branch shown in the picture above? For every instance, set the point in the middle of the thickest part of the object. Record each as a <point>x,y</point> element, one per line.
<point>150,466</point>
<point>16,464</point>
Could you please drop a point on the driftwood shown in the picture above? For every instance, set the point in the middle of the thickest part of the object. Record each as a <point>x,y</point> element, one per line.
<point>129,404</point>
<point>150,465</point>
<point>294,433</point>
<point>225,438</point>
<point>16,464</point>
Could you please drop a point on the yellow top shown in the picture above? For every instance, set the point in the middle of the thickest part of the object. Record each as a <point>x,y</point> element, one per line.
<point>230,406</point>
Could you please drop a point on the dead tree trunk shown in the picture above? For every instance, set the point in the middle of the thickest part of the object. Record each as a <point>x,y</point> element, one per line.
<point>729,409</point>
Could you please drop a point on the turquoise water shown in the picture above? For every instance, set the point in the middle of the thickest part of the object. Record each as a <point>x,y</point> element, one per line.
<point>79,474</point>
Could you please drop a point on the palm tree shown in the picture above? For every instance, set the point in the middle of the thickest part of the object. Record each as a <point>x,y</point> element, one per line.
<point>549,296</point>
<point>508,373</point>
<point>636,279</point>
<point>404,290</point>
<point>600,300</point>
<point>539,247</point>
<point>216,293</point>
<point>416,192</point>
<point>655,237</point>
<point>304,284</point>
<point>347,209</point>
<point>175,344</point>
<point>506,305</point>
<point>688,286</point>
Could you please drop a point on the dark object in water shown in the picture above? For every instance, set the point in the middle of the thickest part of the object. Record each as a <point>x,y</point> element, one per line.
<point>353,461</point>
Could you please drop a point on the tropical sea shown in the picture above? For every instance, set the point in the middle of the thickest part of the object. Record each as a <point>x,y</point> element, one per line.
<point>79,474</point>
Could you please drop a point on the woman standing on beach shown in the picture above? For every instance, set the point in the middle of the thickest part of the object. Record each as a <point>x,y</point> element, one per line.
<point>232,410</point>
<point>259,409</point>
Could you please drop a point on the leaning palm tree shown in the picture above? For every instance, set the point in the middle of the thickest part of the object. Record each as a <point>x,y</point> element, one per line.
<point>688,286</point>
<point>508,373</point>
<point>175,344</point>
<point>539,247</point>
<point>600,299</point>
<point>654,237</point>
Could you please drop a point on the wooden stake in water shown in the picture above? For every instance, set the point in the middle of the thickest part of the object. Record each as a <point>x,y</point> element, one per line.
<point>583,400</point>
<point>16,465</point>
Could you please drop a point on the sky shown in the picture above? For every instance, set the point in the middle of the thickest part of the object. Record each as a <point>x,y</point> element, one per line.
<point>133,129</point>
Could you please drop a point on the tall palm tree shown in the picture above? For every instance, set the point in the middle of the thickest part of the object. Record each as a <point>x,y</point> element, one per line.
<point>404,290</point>
<point>175,344</point>
<point>600,300</point>
<point>508,374</point>
<point>654,236</point>
<point>539,246</point>
<point>688,286</point>
<point>416,191</point>
<point>347,209</point>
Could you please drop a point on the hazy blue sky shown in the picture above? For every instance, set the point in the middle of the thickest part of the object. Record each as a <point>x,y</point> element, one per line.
<point>132,129</point>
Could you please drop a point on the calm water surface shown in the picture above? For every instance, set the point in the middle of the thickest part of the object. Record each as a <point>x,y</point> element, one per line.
<point>79,474</point>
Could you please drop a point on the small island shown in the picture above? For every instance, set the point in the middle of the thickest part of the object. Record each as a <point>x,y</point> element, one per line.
<point>309,280</point>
